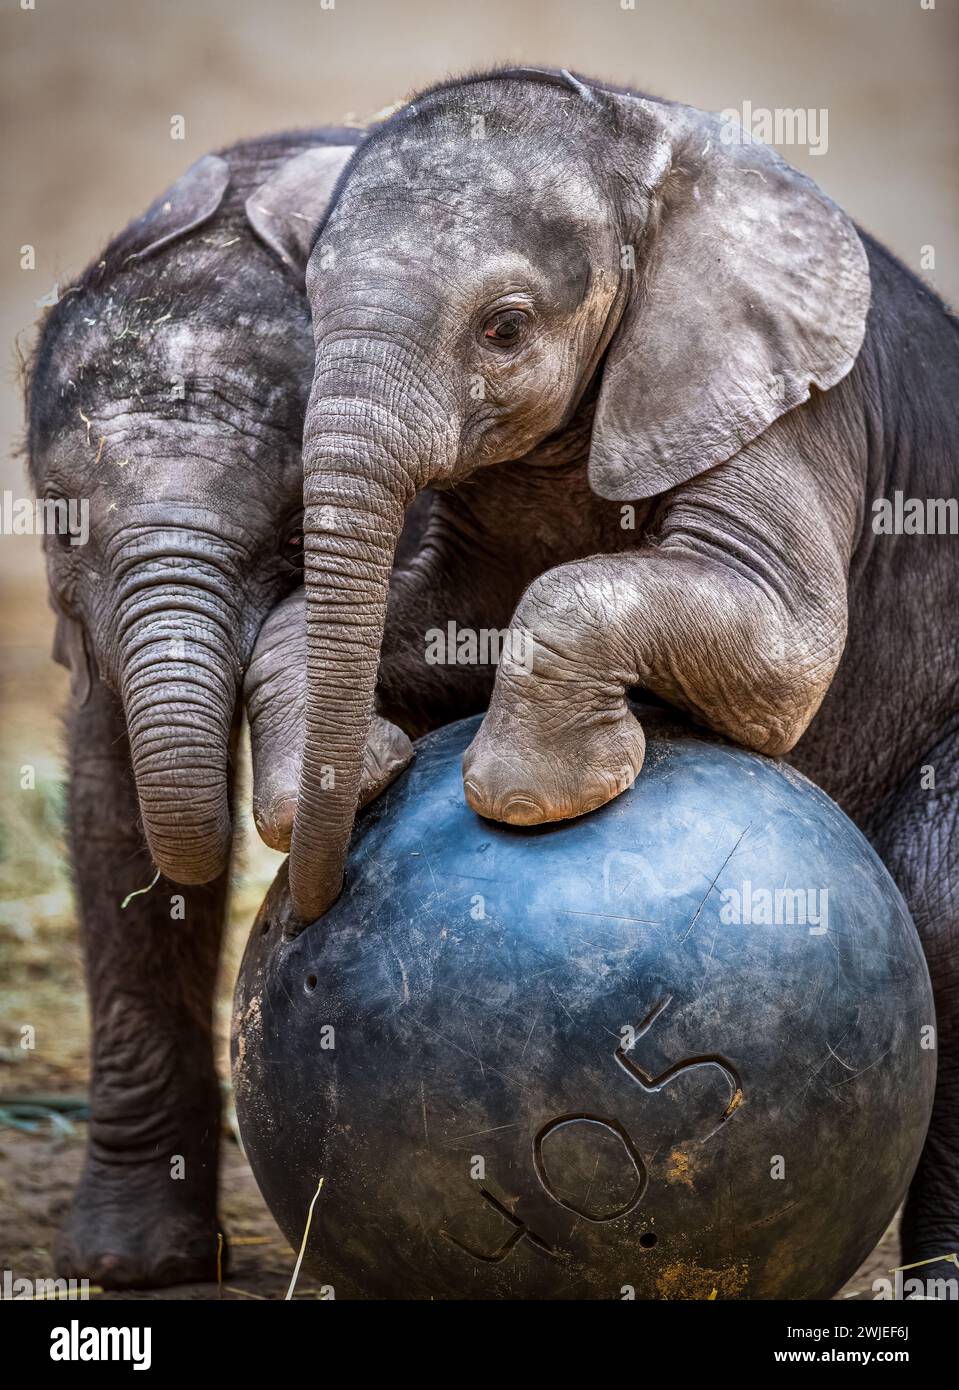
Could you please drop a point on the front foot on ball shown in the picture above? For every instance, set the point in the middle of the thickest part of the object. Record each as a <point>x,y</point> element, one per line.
<point>531,770</point>
<point>126,1229</point>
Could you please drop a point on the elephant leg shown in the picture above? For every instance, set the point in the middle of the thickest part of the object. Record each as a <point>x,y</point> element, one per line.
<point>559,738</point>
<point>916,833</point>
<point>144,1213</point>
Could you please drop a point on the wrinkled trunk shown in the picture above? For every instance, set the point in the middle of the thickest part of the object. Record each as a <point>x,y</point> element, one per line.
<point>178,678</point>
<point>356,490</point>
<point>348,565</point>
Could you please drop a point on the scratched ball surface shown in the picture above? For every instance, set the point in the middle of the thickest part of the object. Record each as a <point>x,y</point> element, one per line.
<point>674,1049</point>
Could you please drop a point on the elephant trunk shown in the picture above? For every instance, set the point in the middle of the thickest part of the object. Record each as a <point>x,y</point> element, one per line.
<point>356,491</point>
<point>178,679</point>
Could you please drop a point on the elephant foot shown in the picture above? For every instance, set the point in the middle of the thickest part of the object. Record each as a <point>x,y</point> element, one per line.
<point>527,772</point>
<point>129,1229</point>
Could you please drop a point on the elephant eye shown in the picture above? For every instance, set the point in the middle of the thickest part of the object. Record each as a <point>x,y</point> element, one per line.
<point>505,328</point>
<point>293,548</point>
<point>56,506</point>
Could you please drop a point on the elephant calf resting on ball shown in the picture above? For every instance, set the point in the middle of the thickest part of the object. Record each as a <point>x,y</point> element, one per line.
<point>168,391</point>
<point>564,307</point>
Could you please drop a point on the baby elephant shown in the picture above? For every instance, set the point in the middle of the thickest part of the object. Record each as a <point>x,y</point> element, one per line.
<point>668,392</point>
<point>168,391</point>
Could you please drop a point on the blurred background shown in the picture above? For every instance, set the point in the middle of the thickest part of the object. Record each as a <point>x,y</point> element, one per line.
<point>87,93</point>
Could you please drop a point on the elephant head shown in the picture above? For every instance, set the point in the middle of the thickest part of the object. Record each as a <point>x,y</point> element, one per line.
<point>501,247</point>
<point>167,395</point>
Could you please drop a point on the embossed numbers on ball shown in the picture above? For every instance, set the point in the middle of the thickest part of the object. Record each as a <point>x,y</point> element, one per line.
<point>599,1059</point>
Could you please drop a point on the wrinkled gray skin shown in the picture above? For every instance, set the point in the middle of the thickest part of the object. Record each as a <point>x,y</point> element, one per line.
<point>729,388</point>
<point>169,388</point>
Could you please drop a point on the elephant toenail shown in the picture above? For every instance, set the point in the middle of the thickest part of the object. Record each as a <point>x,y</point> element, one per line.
<point>474,797</point>
<point>275,825</point>
<point>522,810</point>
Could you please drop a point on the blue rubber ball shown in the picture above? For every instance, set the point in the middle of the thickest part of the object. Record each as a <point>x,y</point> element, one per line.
<point>682,1047</point>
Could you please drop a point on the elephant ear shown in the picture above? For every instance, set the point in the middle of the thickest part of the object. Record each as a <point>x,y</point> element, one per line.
<point>751,287</point>
<point>186,205</point>
<point>287,209</point>
<point>70,649</point>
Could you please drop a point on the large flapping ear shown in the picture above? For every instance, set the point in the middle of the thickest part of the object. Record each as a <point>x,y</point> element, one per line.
<point>187,204</point>
<point>71,649</point>
<point>287,209</point>
<point>750,287</point>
